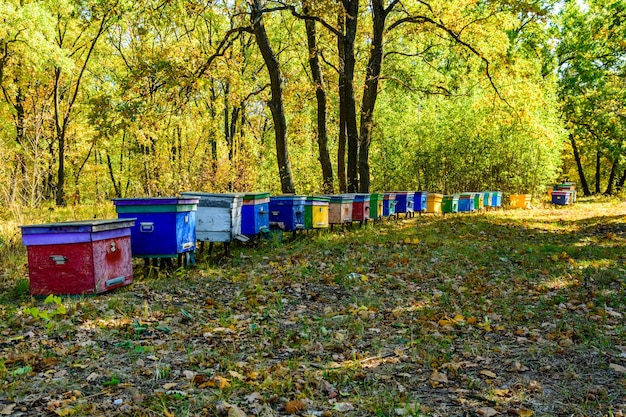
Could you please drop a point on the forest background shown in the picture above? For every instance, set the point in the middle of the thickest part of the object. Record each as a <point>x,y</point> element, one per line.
<point>117,98</point>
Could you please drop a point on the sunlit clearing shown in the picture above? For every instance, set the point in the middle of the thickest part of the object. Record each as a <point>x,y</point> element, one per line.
<point>105,323</point>
<point>559,283</point>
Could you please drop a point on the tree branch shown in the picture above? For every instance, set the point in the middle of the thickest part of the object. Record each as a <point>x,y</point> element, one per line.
<point>456,37</point>
<point>407,54</point>
<point>317,19</point>
<point>330,64</point>
<point>222,47</point>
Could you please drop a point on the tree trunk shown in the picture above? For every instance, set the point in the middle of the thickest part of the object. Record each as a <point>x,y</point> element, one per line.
<point>227,136</point>
<point>598,155</point>
<point>213,138</point>
<point>612,175</point>
<point>276,103</point>
<point>320,93</point>
<point>579,166</point>
<point>19,179</point>
<point>60,138</point>
<point>621,181</point>
<point>349,103</point>
<point>341,140</point>
<point>116,184</point>
<point>370,92</point>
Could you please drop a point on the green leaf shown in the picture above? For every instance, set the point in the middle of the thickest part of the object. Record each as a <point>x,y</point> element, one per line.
<point>23,370</point>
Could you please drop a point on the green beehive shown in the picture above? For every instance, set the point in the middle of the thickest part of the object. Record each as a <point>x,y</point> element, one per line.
<point>478,201</point>
<point>376,206</point>
<point>450,203</point>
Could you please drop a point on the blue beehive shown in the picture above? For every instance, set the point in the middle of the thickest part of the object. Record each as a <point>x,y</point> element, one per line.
<point>389,204</point>
<point>404,202</point>
<point>562,198</point>
<point>287,212</point>
<point>496,199</point>
<point>165,226</point>
<point>420,200</point>
<point>255,213</point>
<point>466,202</point>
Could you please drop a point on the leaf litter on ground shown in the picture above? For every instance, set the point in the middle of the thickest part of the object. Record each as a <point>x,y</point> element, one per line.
<point>516,311</point>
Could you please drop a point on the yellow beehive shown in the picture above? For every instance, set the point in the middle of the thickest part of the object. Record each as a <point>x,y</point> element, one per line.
<point>320,216</point>
<point>520,201</point>
<point>433,203</point>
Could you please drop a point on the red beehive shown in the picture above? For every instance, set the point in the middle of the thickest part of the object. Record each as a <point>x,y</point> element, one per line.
<point>81,257</point>
<point>361,207</point>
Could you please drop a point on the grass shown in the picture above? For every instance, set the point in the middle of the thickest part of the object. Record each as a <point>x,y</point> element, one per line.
<point>518,310</point>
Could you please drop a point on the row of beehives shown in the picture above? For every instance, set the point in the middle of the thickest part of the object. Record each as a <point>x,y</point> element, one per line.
<point>82,257</point>
<point>563,194</point>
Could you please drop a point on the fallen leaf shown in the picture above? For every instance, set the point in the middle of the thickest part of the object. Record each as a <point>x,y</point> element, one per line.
<point>458,318</point>
<point>534,386</point>
<point>437,378</point>
<point>501,392</point>
<point>445,322</point>
<point>266,411</point>
<point>326,386</point>
<point>343,407</point>
<point>235,411</point>
<point>60,374</point>
<point>189,374</point>
<point>93,376</point>
<point>294,406</point>
<point>138,397</point>
<point>518,367</point>
<point>237,375</point>
<point>65,411</point>
<point>340,336</point>
<point>169,386</point>
<point>199,379</point>
<point>618,368</point>
<point>565,342</point>
<point>79,365</point>
<point>7,410</point>
<point>486,411</point>
<point>487,373</point>
<point>485,326</point>
<point>217,382</point>
<point>524,412</point>
<point>253,398</point>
